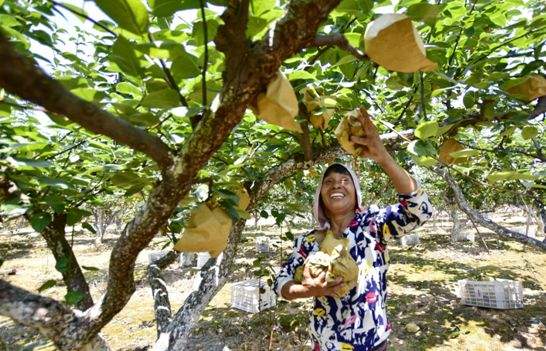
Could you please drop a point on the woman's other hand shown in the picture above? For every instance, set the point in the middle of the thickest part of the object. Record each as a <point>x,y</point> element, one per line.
<point>371,144</point>
<point>318,286</point>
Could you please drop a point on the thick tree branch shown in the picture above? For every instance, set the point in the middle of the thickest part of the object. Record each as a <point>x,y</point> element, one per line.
<point>477,217</point>
<point>21,76</point>
<point>339,40</point>
<point>51,318</point>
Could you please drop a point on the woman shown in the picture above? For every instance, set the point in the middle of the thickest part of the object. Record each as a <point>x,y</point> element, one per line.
<point>356,321</point>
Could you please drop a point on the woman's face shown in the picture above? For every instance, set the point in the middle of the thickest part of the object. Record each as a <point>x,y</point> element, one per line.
<point>338,194</point>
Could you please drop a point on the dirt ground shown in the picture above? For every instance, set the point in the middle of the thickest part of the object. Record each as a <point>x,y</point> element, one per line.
<point>422,282</point>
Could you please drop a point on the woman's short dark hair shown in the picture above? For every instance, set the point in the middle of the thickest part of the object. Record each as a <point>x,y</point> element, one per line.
<point>336,168</point>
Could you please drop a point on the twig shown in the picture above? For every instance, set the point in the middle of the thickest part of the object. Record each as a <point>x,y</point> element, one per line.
<point>339,40</point>
<point>478,232</point>
<point>169,76</point>
<point>83,15</point>
<point>422,92</point>
<point>205,58</point>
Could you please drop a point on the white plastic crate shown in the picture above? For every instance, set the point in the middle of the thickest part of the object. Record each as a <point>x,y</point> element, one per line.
<point>246,296</point>
<point>187,259</point>
<point>410,240</point>
<point>155,255</point>
<point>262,244</point>
<point>501,294</point>
<point>202,258</point>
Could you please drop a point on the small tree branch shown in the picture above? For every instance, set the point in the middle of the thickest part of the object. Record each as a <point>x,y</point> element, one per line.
<point>339,40</point>
<point>83,15</point>
<point>205,57</point>
<point>55,236</point>
<point>21,76</point>
<point>477,217</point>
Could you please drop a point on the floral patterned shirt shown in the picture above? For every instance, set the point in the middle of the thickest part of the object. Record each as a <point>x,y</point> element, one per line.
<point>358,321</point>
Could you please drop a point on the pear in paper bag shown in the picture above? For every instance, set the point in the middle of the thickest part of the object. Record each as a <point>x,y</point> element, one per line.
<point>528,88</point>
<point>448,146</point>
<point>207,230</point>
<point>392,42</point>
<point>279,104</point>
<point>334,258</point>
<point>350,126</point>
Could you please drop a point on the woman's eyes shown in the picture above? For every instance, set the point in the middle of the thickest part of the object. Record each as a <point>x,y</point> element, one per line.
<point>343,181</point>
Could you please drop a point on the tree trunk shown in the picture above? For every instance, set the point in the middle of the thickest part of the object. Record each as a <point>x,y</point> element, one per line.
<point>67,264</point>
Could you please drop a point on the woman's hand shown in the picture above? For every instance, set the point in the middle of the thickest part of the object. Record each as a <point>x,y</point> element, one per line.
<point>318,286</point>
<point>371,144</point>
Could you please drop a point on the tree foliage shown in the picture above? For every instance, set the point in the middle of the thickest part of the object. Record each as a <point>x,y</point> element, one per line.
<point>150,102</point>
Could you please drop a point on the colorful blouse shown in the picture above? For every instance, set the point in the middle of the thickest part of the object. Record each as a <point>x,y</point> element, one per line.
<point>358,321</point>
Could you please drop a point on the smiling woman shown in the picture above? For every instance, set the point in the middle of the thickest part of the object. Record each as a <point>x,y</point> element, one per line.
<point>351,315</point>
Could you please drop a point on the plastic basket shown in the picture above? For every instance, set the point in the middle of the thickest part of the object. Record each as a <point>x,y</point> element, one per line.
<point>202,258</point>
<point>410,240</point>
<point>501,294</point>
<point>246,296</point>
<point>262,244</point>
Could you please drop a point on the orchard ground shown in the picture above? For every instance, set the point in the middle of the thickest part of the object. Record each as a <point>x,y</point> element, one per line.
<point>422,291</point>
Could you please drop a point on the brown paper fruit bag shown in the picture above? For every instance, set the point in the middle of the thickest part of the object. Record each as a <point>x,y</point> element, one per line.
<point>279,104</point>
<point>350,126</point>
<point>334,258</point>
<point>448,146</point>
<point>207,230</point>
<point>392,42</point>
<point>527,88</point>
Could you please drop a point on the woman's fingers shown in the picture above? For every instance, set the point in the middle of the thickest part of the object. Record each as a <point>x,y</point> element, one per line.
<point>359,140</point>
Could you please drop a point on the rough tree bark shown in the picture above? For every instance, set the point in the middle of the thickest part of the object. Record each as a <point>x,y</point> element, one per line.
<point>42,313</point>
<point>479,218</point>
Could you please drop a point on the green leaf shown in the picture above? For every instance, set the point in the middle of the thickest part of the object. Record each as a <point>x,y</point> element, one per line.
<point>464,153</point>
<point>90,268</point>
<point>421,148</point>
<point>26,164</point>
<point>39,221</point>
<point>128,14</point>
<point>185,66</point>
<point>426,161</point>
<point>301,75</point>
<point>75,215</point>
<point>161,99</point>
<point>129,89</point>
<point>52,182</point>
<point>166,8</point>
<point>426,129</point>
<point>469,99</point>
<point>509,175</point>
<point>89,227</point>
<point>73,297</point>
<point>87,94</point>
<point>424,12</point>
<point>124,55</point>
<point>48,284</point>
<point>529,132</point>
<point>62,264</point>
